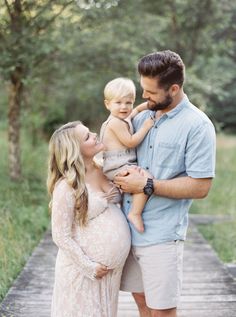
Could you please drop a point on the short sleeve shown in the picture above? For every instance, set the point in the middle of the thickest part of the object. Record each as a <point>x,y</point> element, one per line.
<point>201,151</point>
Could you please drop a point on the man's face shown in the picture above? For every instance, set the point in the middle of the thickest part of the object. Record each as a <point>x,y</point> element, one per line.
<point>158,98</point>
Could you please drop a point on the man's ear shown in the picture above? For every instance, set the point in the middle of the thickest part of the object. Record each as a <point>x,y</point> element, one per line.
<point>174,89</point>
<point>106,103</point>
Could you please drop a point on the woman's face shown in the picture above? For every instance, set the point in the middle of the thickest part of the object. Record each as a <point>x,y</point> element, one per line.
<point>89,142</point>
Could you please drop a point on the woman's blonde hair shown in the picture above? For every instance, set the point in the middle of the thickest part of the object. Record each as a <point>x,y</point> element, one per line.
<point>119,88</point>
<point>66,161</point>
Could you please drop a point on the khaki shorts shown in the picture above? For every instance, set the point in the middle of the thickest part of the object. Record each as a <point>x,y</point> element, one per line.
<point>155,271</point>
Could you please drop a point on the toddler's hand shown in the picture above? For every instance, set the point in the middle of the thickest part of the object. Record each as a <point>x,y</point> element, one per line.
<point>148,123</point>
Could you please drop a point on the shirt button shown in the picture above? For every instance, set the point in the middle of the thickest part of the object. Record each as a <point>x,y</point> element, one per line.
<point>128,201</point>
<point>155,127</point>
<point>150,146</point>
<point>147,168</point>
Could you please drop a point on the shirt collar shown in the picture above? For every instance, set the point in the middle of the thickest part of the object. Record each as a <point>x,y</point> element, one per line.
<point>178,108</point>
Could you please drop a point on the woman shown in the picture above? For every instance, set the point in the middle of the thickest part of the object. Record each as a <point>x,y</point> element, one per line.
<point>89,229</point>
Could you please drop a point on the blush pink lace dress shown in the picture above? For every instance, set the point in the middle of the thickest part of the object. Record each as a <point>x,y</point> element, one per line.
<point>105,239</point>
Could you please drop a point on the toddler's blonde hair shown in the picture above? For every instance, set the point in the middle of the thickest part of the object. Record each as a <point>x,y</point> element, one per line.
<point>119,88</point>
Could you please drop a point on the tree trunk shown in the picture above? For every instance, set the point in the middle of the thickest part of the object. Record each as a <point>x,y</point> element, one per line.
<point>15,93</point>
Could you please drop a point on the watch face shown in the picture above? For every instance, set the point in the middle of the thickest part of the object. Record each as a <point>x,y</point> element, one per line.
<point>148,188</point>
<point>148,191</point>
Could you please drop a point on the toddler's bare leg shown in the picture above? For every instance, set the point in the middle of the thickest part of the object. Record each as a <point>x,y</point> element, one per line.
<point>135,214</point>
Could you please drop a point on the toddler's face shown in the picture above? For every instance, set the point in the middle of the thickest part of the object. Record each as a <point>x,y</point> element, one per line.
<point>120,107</point>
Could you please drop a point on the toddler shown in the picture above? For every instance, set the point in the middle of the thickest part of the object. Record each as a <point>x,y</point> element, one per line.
<point>120,141</point>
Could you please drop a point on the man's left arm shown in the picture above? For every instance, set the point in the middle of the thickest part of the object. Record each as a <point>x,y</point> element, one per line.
<point>177,188</point>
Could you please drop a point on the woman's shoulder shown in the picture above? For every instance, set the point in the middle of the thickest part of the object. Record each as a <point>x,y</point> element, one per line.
<point>62,185</point>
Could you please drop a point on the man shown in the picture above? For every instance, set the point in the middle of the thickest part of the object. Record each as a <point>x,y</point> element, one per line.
<point>179,155</point>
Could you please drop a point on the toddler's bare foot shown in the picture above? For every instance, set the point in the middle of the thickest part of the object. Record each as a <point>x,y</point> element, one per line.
<point>137,221</point>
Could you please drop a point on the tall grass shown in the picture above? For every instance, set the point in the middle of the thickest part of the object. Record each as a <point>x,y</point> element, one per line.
<point>23,209</point>
<point>222,201</point>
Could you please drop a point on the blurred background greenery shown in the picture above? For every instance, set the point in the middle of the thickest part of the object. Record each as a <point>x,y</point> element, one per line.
<point>56,57</point>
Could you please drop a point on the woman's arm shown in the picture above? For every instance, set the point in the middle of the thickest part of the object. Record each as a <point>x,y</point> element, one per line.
<point>63,204</point>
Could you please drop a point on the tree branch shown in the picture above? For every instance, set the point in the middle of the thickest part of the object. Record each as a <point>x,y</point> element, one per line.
<point>39,28</point>
<point>42,57</point>
<point>56,15</point>
<point>8,8</point>
<point>42,10</point>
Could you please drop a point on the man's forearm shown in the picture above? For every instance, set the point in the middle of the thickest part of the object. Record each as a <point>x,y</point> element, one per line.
<point>177,188</point>
<point>183,187</point>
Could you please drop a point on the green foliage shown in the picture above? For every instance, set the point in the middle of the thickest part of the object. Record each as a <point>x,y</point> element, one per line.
<point>25,34</point>
<point>223,107</point>
<point>221,201</point>
<point>222,197</point>
<point>95,41</point>
<point>3,103</point>
<point>23,209</point>
<point>99,45</point>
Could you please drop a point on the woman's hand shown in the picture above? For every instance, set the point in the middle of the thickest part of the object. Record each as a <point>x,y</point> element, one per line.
<point>101,271</point>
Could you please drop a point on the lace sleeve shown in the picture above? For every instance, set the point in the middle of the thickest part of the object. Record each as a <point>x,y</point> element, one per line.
<point>63,203</point>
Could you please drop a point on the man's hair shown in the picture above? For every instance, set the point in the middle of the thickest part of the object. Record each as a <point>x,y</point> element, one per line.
<point>166,66</point>
<point>119,88</point>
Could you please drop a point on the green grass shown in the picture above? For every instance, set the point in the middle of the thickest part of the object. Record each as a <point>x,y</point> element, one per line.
<point>222,237</point>
<point>23,209</point>
<point>222,201</point>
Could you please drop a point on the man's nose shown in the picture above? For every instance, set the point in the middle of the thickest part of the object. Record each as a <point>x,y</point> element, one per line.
<point>145,95</point>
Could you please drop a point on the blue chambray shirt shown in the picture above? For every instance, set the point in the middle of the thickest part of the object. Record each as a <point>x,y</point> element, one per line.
<point>181,143</point>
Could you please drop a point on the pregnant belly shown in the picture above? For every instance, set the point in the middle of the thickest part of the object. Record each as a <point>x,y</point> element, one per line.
<point>106,238</point>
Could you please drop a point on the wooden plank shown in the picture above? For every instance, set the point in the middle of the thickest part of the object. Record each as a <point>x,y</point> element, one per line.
<point>205,313</point>
<point>208,289</point>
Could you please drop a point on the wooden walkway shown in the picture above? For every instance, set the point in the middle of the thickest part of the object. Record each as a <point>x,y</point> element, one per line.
<point>208,289</point>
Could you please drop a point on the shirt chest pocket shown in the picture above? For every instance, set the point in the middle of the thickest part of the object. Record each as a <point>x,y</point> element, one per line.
<point>167,155</point>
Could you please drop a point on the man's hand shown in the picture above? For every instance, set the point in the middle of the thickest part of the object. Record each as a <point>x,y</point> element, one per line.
<point>132,180</point>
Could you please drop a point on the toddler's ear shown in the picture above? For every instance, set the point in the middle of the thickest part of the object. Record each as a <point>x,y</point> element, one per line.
<point>107,104</point>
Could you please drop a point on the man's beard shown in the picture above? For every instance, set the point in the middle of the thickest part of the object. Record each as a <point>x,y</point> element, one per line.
<point>161,105</point>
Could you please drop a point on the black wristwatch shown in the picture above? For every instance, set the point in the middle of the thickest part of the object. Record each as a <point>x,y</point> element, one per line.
<point>148,189</point>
